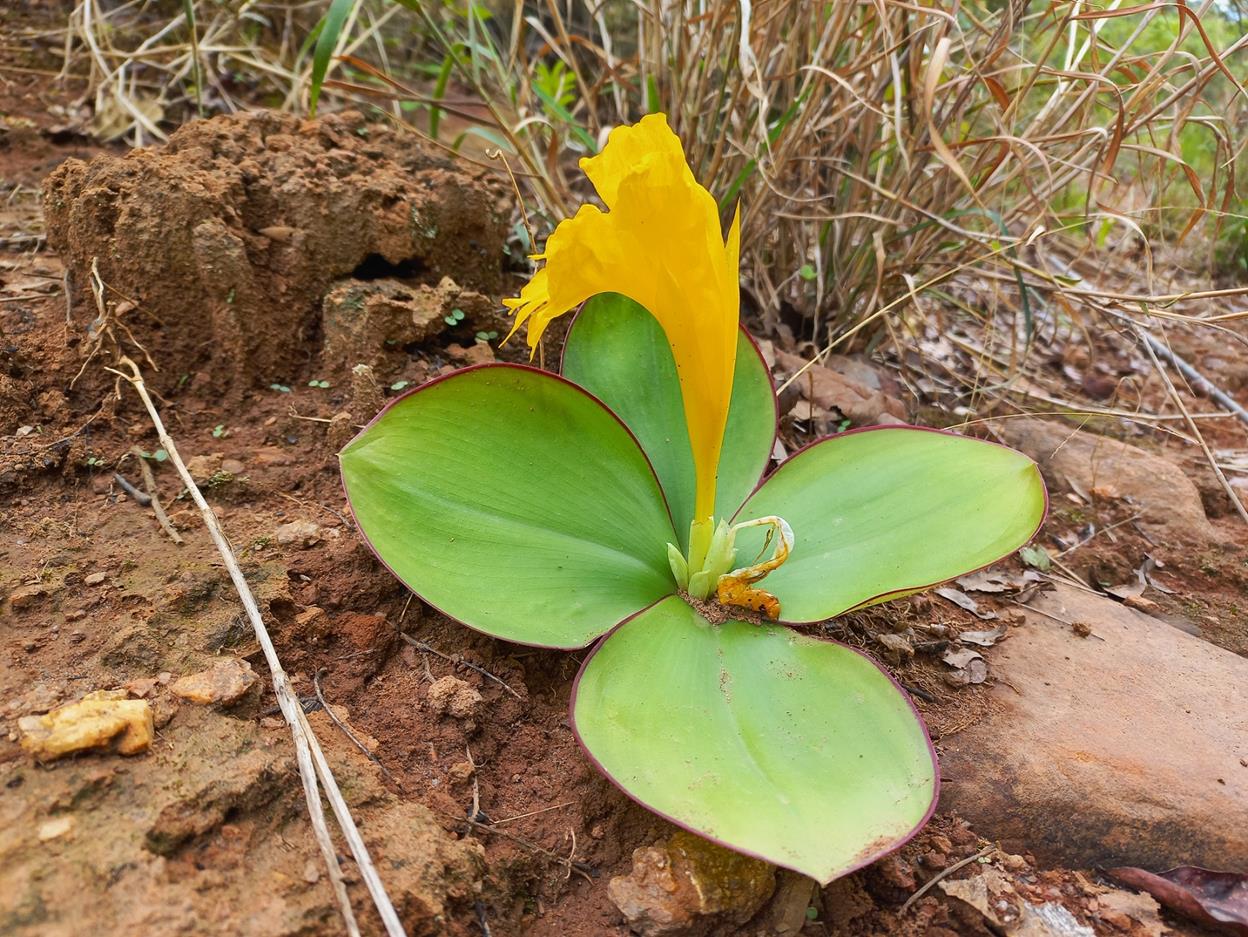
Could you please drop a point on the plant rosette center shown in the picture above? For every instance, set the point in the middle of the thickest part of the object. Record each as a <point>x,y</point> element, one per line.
<point>630,503</point>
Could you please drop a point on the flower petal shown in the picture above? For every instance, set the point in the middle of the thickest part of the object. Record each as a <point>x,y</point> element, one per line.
<point>661,246</point>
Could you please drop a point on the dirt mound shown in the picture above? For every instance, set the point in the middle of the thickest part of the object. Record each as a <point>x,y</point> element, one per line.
<point>219,246</point>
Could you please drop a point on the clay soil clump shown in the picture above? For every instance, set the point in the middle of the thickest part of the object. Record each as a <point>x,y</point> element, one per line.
<point>218,247</point>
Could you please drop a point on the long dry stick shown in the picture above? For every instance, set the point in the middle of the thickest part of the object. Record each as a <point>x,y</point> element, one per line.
<point>1191,425</point>
<point>312,763</point>
<point>1198,380</point>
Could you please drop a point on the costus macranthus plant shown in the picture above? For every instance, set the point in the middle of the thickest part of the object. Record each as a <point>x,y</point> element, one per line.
<point>627,504</point>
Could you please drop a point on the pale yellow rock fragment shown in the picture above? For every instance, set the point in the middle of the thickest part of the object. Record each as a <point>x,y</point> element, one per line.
<point>99,720</point>
<point>58,826</point>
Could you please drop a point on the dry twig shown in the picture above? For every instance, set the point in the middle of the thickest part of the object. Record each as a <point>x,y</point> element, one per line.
<point>312,763</point>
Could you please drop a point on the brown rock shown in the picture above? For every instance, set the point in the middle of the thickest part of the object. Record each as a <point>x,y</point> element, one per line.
<point>453,696</point>
<point>362,319</point>
<point>27,597</point>
<point>94,579</point>
<point>1169,502</point>
<point>224,682</point>
<point>204,467</point>
<point>232,466</point>
<point>1119,751</point>
<point>270,456</point>
<point>250,217</point>
<point>298,533</point>
<point>99,720</point>
<point>675,887</point>
<point>312,624</point>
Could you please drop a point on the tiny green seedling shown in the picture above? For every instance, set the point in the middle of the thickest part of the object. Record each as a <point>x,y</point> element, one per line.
<point>280,388</point>
<point>323,385</point>
<point>399,385</point>
<point>486,336</point>
<point>454,317</point>
<point>628,504</point>
<point>220,432</point>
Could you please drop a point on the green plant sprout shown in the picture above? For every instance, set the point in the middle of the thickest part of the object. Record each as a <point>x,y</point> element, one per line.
<point>454,317</point>
<point>627,502</point>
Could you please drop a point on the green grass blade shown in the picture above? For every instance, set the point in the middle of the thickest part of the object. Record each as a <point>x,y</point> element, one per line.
<point>330,29</point>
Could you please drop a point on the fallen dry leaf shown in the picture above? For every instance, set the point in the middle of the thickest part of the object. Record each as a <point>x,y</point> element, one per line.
<point>983,638</point>
<point>964,601</point>
<point>998,580</point>
<point>99,720</point>
<point>969,667</point>
<point>1219,900</point>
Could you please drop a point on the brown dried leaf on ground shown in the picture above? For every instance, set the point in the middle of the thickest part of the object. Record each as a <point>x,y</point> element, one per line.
<point>983,638</point>
<point>998,580</point>
<point>969,667</point>
<point>99,720</point>
<point>1218,900</point>
<point>964,601</point>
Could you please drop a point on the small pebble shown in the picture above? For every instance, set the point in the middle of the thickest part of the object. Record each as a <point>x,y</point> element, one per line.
<point>94,579</point>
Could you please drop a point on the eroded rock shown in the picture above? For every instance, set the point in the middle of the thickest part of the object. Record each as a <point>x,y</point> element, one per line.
<point>1169,502</point>
<point>249,218</point>
<point>688,885</point>
<point>224,682</point>
<point>210,834</point>
<point>1126,748</point>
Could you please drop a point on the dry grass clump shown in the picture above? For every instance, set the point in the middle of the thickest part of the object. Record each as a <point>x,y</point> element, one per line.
<point>150,65</point>
<point>967,189</point>
<point>879,146</point>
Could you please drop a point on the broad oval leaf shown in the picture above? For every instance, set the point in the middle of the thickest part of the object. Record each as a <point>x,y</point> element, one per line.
<point>512,500</point>
<point>883,512</point>
<point>796,750</point>
<point>617,351</point>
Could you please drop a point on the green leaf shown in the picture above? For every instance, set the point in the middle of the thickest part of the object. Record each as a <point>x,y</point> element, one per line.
<point>513,501</point>
<point>806,272</point>
<point>1036,557</point>
<point>881,513</point>
<point>617,351</point>
<point>799,751</point>
<point>326,42</point>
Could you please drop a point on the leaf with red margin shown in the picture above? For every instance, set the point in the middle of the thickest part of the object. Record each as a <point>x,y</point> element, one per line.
<point>797,750</point>
<point>512,500</point>
<point>1218,900</point>
<point>882,512</point>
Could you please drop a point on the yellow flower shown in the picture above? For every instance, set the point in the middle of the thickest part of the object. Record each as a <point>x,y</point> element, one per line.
<point>660,244</point>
